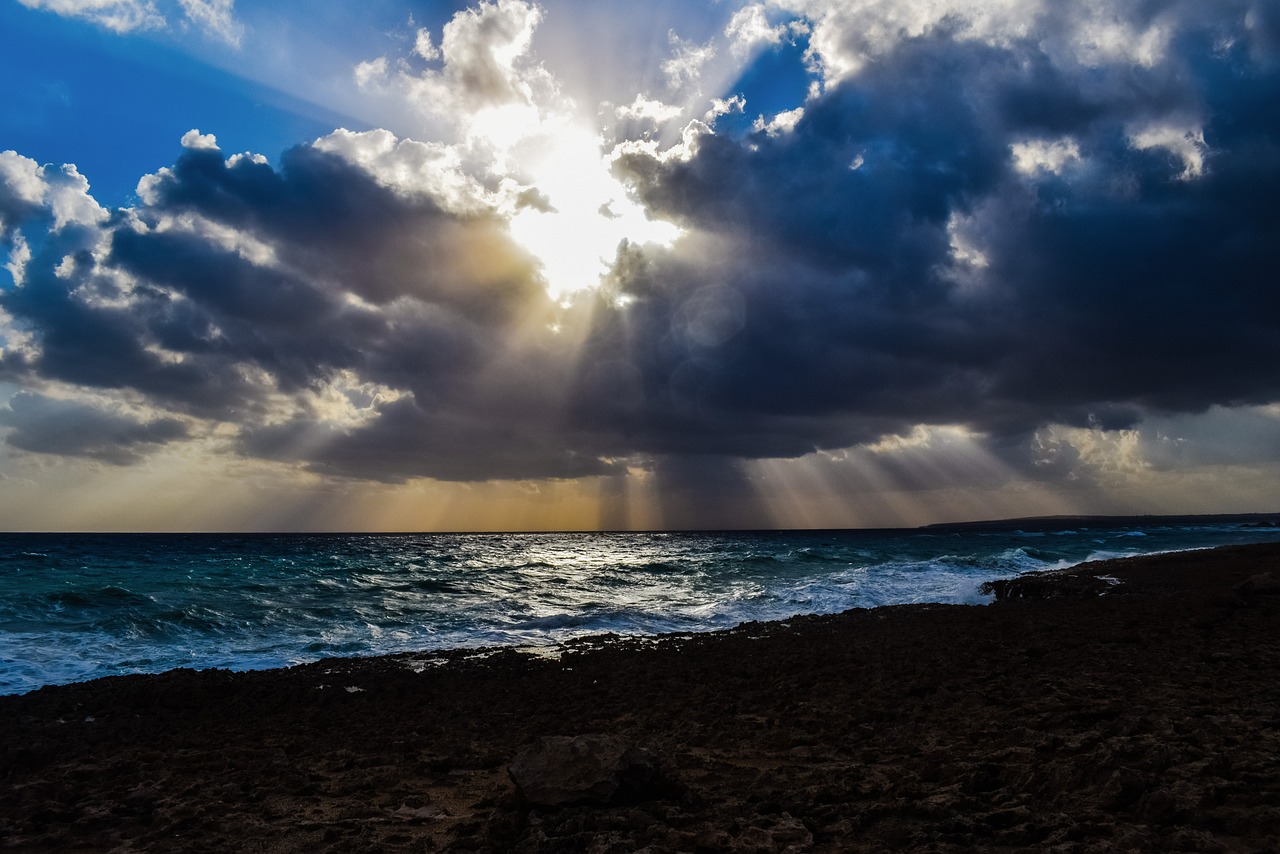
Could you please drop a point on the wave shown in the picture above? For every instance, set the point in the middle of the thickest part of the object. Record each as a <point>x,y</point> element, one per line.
<point>73,609</point>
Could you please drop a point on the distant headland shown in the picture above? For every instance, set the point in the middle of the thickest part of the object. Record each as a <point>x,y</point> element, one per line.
<point>1060,523</point>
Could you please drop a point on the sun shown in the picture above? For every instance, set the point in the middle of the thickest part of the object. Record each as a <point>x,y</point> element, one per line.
<point>575,213</point>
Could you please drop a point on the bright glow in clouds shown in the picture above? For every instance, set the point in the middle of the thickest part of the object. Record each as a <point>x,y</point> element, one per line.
<point>517,129</point>
<point>586,216</point>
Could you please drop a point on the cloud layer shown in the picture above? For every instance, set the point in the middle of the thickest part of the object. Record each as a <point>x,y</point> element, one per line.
<point>1014,218</point>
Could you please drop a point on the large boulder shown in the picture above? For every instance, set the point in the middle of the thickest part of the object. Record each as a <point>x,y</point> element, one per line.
<point>1262,584</point>
<point>1052,584</point>
<point>598,769</point>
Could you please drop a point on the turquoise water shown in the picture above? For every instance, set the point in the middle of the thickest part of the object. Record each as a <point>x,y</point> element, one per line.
<point>79,606</point>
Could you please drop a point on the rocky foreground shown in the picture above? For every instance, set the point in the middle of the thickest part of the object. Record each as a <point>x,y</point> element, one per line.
<point>1125,705</point>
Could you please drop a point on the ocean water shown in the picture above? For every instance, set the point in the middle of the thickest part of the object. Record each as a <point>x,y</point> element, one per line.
<point>80,606</point>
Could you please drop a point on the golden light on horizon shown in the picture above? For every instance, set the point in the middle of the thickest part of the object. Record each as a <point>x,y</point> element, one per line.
<point>929,474</point>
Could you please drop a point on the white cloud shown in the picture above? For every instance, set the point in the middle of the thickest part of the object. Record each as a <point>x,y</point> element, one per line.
<point>483,48</point>
<point>1038,155</point>
<point>684,69</point>
<point>214,17</point>
<point>21,176</point>
<point>922,436</point>
<point>1186,142</point>
<point>967,256</point>
<point>648,108</point>
<point>691,136</point>
<point>783,122</point>
<point>346,401</point>
<point>847,34</point>
<point>367,73</point>
<point>1104,455</point>
<point>248,246</point>
<point>120,16</point>
<point>251,156</point>
<point>61,190</point>
<point>67,195</point>
<point>146,189</point>
<point>725,106</point>
<point>1104,39</point>
<point>410,167</point>
<point>749,28</point>
<point>195,140</point>
<point>516,136</point>
<point>19,257</point>
<point>489,89</point>
<point>424,47</point>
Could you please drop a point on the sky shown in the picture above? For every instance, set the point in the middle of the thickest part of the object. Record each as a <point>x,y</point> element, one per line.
<point>594,264</point>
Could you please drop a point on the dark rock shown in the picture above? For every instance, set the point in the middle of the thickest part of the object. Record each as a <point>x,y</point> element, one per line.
<point>599,769</point>
<point>986,778</point>
<point>1047,585</point>
<point>1262,584</point>
<point>1007,818</point>
<point>781,834</point>
<point>1124,788</point>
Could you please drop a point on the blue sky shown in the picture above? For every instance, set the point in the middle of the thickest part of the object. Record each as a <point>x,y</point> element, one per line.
<point>510,264</point>
<point>117,105</point>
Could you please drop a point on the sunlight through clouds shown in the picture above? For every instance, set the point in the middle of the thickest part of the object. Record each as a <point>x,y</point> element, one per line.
<point>588,215</point>
<point>797,263</point>
<point>517,126</point>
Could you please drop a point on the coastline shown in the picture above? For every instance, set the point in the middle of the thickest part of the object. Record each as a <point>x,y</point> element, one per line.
<point>1140,718</point>
<point>94,606</point>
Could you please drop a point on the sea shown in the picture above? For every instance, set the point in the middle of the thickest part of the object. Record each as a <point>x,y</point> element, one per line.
<point>81,606</point>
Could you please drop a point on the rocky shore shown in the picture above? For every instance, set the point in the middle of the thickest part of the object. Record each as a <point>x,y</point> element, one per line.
<point>1122,705</point>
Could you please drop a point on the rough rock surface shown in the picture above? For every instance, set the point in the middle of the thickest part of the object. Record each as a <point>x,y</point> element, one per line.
<point>1262,584</point>
<point>1147,719</point>
<point>600,769</point>
<point>1049,585</point>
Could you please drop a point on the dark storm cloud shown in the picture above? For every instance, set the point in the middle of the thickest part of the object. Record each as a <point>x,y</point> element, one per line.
<point>752,358</point>
<point>13,210</point>
<point>884,264</point>
<point>69,428</point>
<point>363,286</point>
<point>1155,292</point>
<point>406,441</point>
<point>1114,288</point>
<point>87,337</point>
<point>342,230</point>
<point>362,281</point>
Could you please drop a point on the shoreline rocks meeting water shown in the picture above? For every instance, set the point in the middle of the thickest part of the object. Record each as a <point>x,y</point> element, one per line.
<point>1120,705</point>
